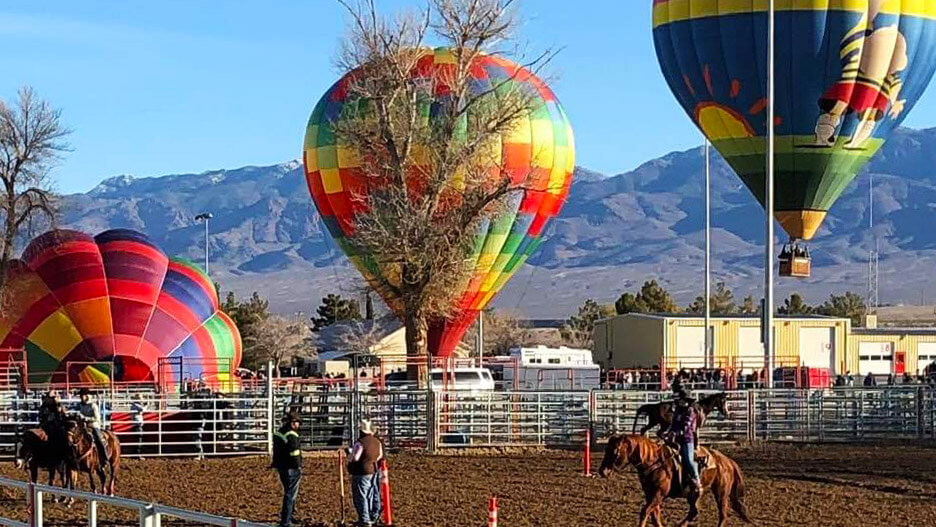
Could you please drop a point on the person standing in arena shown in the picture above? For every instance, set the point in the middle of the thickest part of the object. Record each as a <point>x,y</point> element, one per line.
<point>287,460</point>
<point>363,461</point>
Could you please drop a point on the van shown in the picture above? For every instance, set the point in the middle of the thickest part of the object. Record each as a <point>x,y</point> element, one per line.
<point>455,379</point>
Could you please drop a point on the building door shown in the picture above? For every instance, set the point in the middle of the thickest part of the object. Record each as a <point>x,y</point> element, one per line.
<point>926,355</point>
<point>900,362</point>
<point>817,348</point>
<point>875,357</point>
<point>690,347</point>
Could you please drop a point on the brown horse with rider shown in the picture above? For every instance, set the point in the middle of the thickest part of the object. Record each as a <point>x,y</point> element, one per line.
<point>68,444</point>
<point>660,478</point>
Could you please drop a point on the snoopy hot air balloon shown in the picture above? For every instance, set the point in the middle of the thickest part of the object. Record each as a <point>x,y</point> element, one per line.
<point>846,72</point>
<point>537,155</point>
<point>114,307</point>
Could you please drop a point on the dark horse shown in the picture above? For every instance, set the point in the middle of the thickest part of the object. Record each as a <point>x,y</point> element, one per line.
<point>82,455</point>
<point>661,414</point>
<point>44,447</point>
<point>658,470</point>
<point>40,449</point>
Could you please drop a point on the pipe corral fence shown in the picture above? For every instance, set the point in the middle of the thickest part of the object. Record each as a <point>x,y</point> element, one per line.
<point>205,424</point>
<point>150,514</point>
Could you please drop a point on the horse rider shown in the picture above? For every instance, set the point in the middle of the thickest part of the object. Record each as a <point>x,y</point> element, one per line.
<point>287,460</point>
<point>90,412</point>
<point>51,413</point>
<point>683,432</point>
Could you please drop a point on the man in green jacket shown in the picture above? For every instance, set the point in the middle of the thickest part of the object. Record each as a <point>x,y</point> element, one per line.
<point>287,460</point>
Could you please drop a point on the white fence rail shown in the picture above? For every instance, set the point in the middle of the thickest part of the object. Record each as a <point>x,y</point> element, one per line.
<point>235,424</point>
<point>150,514</point>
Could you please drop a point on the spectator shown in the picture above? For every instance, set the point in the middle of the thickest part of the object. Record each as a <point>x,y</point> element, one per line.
<point>891,381</point>
<point>849,378</point>
<point>869,381</point>
<point>839,381</point>
<point>287,460</point>
<point>137,408</point>
<point>365,476</point>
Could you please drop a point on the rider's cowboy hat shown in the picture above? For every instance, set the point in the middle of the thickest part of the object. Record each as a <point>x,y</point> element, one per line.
<point>84,391</point>
<point>366,427</point>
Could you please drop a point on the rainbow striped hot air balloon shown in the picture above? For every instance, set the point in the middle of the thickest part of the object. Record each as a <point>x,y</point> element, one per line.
<point>90,309</point>
<point>847,73</point>
<point>539,153</point>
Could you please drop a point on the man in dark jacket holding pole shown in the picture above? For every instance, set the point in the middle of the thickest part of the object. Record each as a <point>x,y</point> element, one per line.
<point>287,460</point>
<point>363,461</point>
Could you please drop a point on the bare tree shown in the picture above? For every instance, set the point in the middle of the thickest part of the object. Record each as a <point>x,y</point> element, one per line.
<point>432,181</point>
<point>277,338</point>
<point>32,137</point>
<point>503,331</point>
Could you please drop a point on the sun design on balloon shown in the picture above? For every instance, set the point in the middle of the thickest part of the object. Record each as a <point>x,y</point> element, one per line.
<point>720,121</point>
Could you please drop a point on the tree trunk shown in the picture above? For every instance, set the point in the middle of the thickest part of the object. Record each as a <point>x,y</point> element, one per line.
<point>9,238</point>
<point>417,351</point>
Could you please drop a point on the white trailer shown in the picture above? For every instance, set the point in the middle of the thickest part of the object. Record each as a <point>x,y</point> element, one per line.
<point>543,368</point>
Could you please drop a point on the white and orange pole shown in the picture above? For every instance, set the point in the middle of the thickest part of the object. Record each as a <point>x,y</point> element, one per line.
<point>385,493</point>
<point>492,512</point>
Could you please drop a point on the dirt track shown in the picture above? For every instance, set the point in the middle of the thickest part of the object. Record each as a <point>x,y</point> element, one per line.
<point>827,485</point>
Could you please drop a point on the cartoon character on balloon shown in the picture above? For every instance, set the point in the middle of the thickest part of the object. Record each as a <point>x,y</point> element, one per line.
<point>869,83</point>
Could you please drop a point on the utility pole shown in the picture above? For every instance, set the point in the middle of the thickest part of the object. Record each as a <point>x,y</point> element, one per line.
<point>872,251</point>
<point>709,356</point>
<point>205,216</point>
<point>769,202</point>
<point>481,338</point>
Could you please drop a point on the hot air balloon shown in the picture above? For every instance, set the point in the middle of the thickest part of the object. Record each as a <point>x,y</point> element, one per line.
<point>847,74</point>
<point>115,307</point>
<point>539,152</point>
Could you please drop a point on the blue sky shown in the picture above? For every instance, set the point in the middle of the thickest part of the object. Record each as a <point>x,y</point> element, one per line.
<point>177,86</point>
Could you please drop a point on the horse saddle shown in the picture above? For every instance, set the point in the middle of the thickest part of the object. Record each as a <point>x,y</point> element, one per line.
<point>702,458</point>
<point>40,434</point>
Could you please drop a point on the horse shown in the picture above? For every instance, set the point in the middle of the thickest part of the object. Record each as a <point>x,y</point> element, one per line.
<point>661,414</point>
<point>82,455</point>
<point>659,474</point>
<point>37,449</point>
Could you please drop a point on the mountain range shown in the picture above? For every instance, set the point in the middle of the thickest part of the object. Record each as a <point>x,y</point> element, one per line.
<point>614,232</point>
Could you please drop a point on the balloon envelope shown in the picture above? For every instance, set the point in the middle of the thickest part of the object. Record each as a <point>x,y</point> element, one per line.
<point>113,307</point>
<point>847,73</point>
<point>539,154</point>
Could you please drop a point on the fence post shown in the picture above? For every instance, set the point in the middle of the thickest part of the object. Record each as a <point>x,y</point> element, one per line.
<point>149,517</point>
<point>270,403</point>
<point>751,416</point>
<point>921,422</point>
<point>432,421</point>
<point>35,506</point>
<point>92,513</point>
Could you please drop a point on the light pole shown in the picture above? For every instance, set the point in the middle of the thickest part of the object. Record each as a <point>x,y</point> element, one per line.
<point>709,356</point>
<point>769,203</point>
<point>205,216</point>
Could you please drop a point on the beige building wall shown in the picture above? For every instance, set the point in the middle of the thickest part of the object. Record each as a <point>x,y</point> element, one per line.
<point>903,341</point>
<point>628,341</point>
<point>632,340</point>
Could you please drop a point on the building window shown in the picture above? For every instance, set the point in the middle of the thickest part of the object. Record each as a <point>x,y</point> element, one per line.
<point>555,361</point>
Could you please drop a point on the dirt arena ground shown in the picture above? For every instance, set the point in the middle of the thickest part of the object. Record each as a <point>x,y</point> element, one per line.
<point>787,485</point>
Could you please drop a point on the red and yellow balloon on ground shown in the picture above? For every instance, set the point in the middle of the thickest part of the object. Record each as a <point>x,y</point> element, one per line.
<point>91,309</point>
<point>538,155</point>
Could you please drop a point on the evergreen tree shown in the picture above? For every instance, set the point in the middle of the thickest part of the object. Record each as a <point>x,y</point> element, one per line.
<point>850,305</point>
<point>652,298</point>
<point>720,303</point>
<point>334,308</point>
<point>795,306</point>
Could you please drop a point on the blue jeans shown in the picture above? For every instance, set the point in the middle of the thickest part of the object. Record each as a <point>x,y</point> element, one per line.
<point>290,480</point>
<point>365,492</point>
<point>689,466</point>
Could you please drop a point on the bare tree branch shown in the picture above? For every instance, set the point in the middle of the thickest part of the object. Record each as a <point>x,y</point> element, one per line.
<point>32,138</point>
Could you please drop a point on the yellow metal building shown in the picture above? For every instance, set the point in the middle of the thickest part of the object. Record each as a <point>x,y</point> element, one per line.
<point>883,351</point>
<point>678,341</point>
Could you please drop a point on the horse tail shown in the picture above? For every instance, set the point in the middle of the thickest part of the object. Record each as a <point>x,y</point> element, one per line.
<point>737,491</point>
<point>642,410</point>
